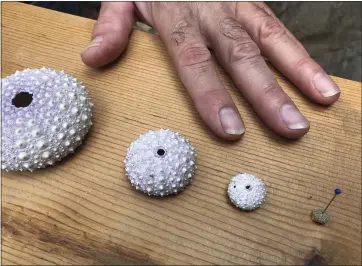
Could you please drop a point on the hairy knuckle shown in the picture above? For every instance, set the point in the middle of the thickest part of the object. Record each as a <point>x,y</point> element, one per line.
<point>194,55</point>
<point>242,51</point>
<point>271,33</point>
<point>180,32</point>
<point>231,28</point>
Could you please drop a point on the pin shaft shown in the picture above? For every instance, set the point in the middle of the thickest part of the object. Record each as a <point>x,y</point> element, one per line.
<point>329,203</point>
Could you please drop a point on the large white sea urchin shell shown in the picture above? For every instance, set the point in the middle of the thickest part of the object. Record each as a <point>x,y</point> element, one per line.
<point>45,115</point>
<point>160,163</point>
<point>246,191</point>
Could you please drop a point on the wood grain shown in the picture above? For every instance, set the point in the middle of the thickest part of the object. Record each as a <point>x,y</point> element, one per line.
<point>84,211</point>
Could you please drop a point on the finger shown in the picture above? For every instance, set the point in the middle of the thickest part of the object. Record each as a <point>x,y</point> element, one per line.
<point>286,54</point>
<point>269,11</point>
<point>195,68</point>
<point>110,33</point>
<point>241,57</point>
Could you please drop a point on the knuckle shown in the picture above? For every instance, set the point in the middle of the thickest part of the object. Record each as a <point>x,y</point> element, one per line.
<point>211,97</point>
<point>231,29</point>
<point>214,93</point>
<point>271,33</point>
<point>243,51</point>
<point>194,55</point>
<point>306,62</point>
<point>180,32</point>
<point>271,91</point>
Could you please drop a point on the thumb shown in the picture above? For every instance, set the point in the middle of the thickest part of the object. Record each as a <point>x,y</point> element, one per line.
<point>110,33</point>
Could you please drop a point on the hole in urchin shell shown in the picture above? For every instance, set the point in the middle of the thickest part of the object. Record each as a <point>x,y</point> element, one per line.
<point>161,152</point>
<point>22,99</point>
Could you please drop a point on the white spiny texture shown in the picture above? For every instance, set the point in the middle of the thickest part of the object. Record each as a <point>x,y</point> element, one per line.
<point>50,127</point>
<point>160,163</point>
<point>246,191</point>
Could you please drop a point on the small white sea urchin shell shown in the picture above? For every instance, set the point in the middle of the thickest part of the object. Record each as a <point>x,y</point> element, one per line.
<point>246,191</point>
<point>160,163</point>
<point>48,125</point>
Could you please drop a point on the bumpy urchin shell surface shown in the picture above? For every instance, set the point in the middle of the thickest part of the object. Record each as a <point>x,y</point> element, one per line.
<point>160,163</point>
<point>246,191</point>
<point>50,127</point>
<point>320,217</point>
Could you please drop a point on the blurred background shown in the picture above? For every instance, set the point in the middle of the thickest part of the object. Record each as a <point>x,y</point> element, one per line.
<point>330,31</point>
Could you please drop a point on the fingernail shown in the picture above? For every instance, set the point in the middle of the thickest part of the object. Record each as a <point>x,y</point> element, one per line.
<point>95,43</point>
<point>292,117</point>
<point>231,121</point>
<point>325,85</point>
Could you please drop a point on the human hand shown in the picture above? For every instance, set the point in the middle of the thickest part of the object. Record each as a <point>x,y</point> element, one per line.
<point>239,34</point>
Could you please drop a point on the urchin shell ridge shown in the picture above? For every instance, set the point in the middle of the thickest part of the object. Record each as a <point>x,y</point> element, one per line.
<point>51,126</point>
<point>246,191</point>
<point>160,163</point>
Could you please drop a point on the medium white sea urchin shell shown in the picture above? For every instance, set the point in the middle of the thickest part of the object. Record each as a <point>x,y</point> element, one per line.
<point>246,191</point>
<point>45,116</point>
<point>160,163</point>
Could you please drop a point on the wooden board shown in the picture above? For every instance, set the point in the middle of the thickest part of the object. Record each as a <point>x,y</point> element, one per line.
<point>84,210</point>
